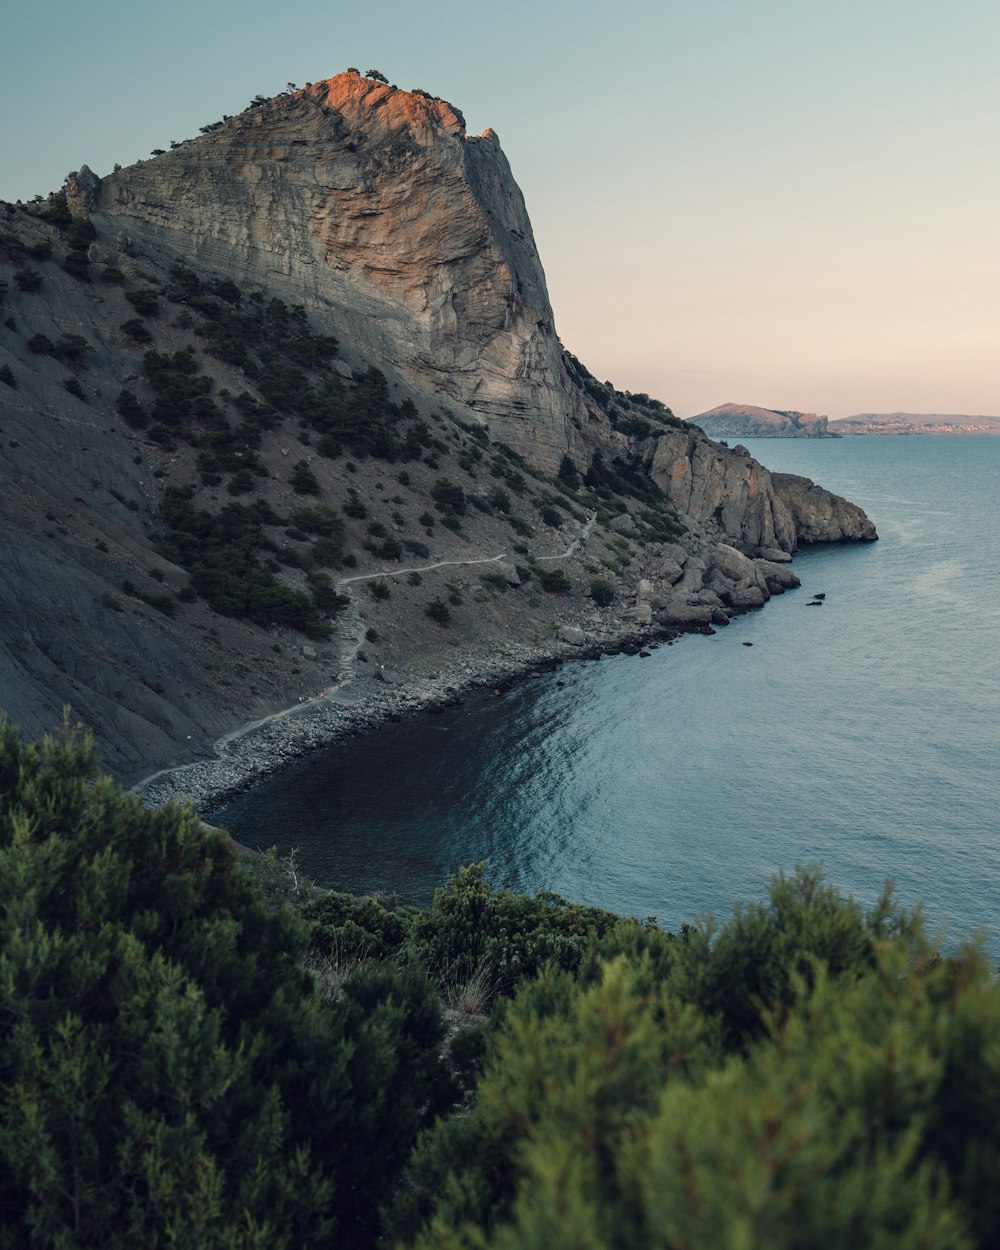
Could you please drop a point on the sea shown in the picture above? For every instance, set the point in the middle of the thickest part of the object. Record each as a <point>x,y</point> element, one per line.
<point>859,736</point>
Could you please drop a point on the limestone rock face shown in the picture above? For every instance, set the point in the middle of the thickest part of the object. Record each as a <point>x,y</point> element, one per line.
<point>374,208</point>
<point>818,515</point>
<point>740,502</point>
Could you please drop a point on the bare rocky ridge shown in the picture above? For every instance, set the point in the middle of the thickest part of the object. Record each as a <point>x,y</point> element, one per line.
<point>373,211</point>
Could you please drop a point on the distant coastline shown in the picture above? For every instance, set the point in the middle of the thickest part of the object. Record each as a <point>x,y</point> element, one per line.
<point>749,421</point>
<point>886,423</point>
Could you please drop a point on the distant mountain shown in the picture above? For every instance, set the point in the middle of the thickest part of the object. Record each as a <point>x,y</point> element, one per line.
<point>914,423</point>
<point>749,421</point>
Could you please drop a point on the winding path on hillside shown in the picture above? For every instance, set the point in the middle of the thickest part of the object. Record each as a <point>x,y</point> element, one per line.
<point>351,634</point>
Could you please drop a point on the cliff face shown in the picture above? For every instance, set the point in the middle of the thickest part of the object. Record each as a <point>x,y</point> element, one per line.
<point>193,473</point>
<point>733,496</point>
<point>374,208</point>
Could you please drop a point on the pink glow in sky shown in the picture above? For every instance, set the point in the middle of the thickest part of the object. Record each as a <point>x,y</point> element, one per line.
<point>783,203</point>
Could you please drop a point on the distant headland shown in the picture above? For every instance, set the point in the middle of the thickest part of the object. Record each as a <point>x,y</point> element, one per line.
<point>749,421</point>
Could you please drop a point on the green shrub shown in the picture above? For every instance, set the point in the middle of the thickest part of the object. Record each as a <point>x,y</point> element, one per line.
<point>7,376</point>
<point>220,552</point>
<point>438,612</point>
<point>145,301</point>
<point>75,389</point>
<point>303,480</point>
<point>136,330</point>
<point>28,279</point>
<point>172,1075</point>
<point>319,519</point>
<point>448,497</point>
<point>615,1099</point>
<point>379,589</point>
<point>41,345</point>
<point>554,581</point>
<point>602,592</point>
<point>499,500</point>
<point>325,594</point>
<point>77,265</point>
<point>568,473</point>
<point>132,412</point>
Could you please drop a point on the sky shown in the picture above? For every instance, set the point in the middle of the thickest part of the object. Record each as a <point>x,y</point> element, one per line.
<point>785,203</point>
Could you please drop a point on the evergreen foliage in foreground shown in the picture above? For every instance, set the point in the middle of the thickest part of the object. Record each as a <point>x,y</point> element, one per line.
<point>169,1075</point>
<point>806,1076</point>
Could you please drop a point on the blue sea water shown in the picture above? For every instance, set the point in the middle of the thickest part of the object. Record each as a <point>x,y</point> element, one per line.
<point>860,735</point>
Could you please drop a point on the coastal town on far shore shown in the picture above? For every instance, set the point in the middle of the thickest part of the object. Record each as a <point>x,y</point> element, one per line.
<point>913,423</point>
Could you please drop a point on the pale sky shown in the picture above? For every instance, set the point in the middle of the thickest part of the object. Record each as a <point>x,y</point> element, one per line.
<point>783,202</point>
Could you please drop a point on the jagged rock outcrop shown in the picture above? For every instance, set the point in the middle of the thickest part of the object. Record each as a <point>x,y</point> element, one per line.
<point>736,499</point>
<point>374,207</point>
<point>749,421</point>
<point>818,515</point>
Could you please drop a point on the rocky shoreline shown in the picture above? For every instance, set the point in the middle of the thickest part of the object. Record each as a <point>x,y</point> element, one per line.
<point>703,590</point>
<point>363,704</point>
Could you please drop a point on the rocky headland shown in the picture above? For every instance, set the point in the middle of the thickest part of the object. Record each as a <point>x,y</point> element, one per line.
<point>748,421</point>
<point>288,440</point>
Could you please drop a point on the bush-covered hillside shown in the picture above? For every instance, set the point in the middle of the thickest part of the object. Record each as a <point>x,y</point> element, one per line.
<point>496,1071</point>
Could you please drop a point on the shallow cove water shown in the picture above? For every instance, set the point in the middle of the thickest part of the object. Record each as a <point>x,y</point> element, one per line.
<point>860,735</point>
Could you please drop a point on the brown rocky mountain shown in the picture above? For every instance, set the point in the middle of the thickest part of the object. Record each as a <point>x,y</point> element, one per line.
<point>748,421</point>
<point>283,409</point>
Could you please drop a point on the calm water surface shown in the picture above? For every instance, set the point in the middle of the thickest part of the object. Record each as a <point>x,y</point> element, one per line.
<point>861,735</point>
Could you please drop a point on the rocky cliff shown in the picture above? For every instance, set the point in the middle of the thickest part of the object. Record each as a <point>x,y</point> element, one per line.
<point>734,497</point>
<point>748,421</point>
<point>284,408</point>
<point>374,208</point>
